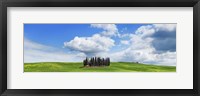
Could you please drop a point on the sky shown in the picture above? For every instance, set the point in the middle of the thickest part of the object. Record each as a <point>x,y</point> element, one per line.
<point>144,43</point>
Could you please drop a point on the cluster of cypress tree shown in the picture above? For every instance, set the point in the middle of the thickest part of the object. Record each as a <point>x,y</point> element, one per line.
<point>96,61</point>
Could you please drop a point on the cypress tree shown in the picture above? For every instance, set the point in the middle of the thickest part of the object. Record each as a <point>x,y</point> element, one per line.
<point>103,61</point>
<point>108,61</point>
<point>96,61</point>
<point>86,61</point>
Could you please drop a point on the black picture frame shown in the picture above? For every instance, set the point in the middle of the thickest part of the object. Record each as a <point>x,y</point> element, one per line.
<point>99,3</point>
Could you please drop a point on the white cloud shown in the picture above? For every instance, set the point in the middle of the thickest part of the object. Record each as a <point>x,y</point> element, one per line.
<point>109,29</point>
<point>97,43</point>
<point>94,44</point>
<point>165,27</point>
<point>145,31</point>
<point>142,50</point>
<point>125,35</point>
<point>125,42</point>
<point>35,52</point>
<point>148,30</point>
<point>146,56</point>
<point>28,44</point>
<point>140,47</point>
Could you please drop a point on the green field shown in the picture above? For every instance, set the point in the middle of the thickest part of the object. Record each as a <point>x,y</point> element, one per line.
<point>78,67</point>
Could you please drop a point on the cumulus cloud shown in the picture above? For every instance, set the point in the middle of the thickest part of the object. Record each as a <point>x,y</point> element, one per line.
<point>150,44</point>
<point>97,43</point>
<point>145,31</point>
<point>35,52</point>
<point>125,42</point>
<point>153,44</point>
<point>165,27</point>
<point>108,29</point>
<point>146,56</point>
<point>125,36</point>
<point>90,45</point>
<point>164,36</point>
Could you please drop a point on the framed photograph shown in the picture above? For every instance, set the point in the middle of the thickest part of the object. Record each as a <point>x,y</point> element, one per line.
<point>99,47</point>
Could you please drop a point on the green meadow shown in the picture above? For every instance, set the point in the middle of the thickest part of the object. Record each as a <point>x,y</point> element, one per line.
<point>78,67</point>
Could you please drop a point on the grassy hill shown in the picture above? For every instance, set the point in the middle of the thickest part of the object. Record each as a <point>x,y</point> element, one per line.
<point>77,67</point>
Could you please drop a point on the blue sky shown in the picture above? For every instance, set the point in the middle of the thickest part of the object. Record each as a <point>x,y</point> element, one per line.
<point>146,43</point>
<point>44,33</point>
